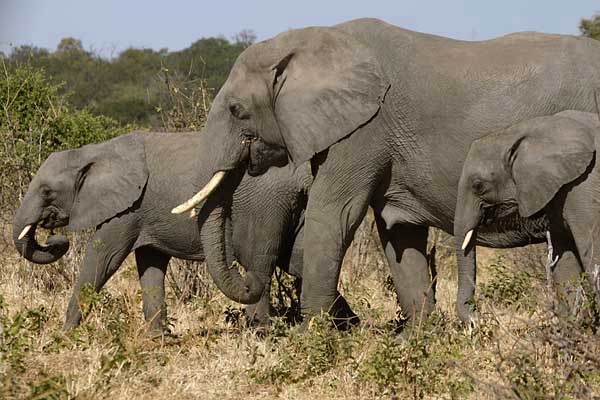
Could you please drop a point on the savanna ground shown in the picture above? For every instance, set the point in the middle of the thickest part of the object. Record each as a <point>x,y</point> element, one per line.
<point>519,348</point>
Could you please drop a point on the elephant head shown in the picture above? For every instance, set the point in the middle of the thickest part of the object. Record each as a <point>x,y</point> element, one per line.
<point>80,189</point>
<point>289,98</point>
<point>515,172</point>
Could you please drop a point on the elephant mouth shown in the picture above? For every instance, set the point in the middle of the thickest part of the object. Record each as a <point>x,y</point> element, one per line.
<point>492,213</point>
<point>54,223</point>
<point>53,218</point>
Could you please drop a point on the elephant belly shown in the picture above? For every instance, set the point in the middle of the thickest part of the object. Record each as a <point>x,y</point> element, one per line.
<point>402,205</point>
<point>179,244</point>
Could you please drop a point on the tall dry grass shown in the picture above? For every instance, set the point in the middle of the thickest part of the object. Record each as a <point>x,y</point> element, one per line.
<point>520,348</point>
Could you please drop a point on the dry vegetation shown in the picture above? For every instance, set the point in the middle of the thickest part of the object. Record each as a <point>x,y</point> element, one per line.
<point>519,348</point>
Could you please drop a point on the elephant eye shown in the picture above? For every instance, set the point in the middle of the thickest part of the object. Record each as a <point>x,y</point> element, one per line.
<point>478,187</point>
<point>46,193</point>
<point>238,111</point>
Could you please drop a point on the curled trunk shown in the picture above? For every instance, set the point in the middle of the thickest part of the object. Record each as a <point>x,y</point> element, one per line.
<point>247,289</point>
<point>28,247</point>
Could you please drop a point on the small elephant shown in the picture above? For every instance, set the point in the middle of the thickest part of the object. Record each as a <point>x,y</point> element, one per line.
<point>541,171</point>
<point>124,188</point>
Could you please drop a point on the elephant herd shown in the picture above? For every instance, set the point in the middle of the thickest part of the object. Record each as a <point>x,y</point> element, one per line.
<point>493,141</point>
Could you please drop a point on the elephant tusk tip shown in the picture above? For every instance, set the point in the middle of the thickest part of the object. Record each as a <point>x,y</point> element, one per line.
<point>467,240</point>
<point>179,209</point>
<point>24,232</point>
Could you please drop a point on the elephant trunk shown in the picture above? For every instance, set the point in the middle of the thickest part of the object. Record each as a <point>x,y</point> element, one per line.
<point>24,229</point>
<point>466,221</point>
<point>247,289</point>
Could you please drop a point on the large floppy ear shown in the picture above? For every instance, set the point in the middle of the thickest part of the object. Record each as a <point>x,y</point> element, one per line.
<point>545,160</point>
<point>326,84</point>
<point>111,177</point>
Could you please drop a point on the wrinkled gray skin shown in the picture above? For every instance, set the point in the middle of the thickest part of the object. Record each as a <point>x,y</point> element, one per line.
<point>126,186</point>
<point>386,116</point>
<point>538,172</point>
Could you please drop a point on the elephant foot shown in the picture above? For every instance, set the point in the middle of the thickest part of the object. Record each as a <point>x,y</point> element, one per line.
<point>162,333</point>
<point>259,315</point>
<point>68,327</point>
<point>258,321</point>
<point>71,323</point>
<point>340,314</point>
<point>466,313</point>
<point>343,317</point>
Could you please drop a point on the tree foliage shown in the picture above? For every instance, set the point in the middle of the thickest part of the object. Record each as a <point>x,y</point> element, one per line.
<point>130,87</point>
<point>590,27</point>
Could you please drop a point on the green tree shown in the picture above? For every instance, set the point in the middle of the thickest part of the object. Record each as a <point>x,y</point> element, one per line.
<point>69,44</point>
<point>590,27</point>
<point>131,87</point>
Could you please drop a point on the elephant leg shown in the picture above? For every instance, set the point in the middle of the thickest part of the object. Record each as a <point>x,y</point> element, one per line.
<point>566,273</point>
<point>329,229</point>
<point>259,314</point>
<point>152,267</point>
<point>296,267</point>
<point>103,256</point>
<point>585,237</point>
<point>406,251</point>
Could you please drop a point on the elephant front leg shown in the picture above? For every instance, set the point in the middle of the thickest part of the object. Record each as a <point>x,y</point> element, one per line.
<point>566,273</point>
<point>406,251</point>
<point>329,229</point>
<point>104,255</point>
<point>152,267</point>
<point>259,314</point>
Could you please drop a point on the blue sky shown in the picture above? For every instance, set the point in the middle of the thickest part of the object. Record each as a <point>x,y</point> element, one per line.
<point>110,26</point>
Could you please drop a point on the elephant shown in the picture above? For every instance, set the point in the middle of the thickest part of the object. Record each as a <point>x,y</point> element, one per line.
<point>543,171</point>
<point>385,116</point>
<point>123,187</point>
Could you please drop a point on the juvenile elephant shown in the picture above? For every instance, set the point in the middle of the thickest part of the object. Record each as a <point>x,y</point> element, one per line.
<point>541,171</point>
<point>124,188</point>
<point>386,116</point>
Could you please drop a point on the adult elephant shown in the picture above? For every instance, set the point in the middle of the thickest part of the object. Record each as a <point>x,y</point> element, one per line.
<point>386,115</point>
<point>125,186</point>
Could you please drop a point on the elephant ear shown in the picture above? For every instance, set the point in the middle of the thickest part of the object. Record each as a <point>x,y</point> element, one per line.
<point>111,177</point>
<point>325,86</point>
<point>547,159</point>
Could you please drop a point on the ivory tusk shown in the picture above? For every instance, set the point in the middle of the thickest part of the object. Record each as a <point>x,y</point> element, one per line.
<point>24,232</point>
<point>467,240</point>
<point>201,195</point>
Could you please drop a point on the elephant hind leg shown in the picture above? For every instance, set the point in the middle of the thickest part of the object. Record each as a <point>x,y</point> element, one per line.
<point>152,267</point>
<point>405,248</point>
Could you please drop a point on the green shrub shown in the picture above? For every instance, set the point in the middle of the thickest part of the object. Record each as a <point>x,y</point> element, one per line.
<point>302,356</point>
<point>507,287</point>
<point>35,120</point>
<point>421,362</point>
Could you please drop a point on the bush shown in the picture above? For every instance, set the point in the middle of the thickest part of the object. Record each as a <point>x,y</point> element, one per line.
<point>35,120</point>
<point>507,287</point>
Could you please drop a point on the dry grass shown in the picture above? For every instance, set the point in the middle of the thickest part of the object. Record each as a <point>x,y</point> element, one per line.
<point>519,350</point>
